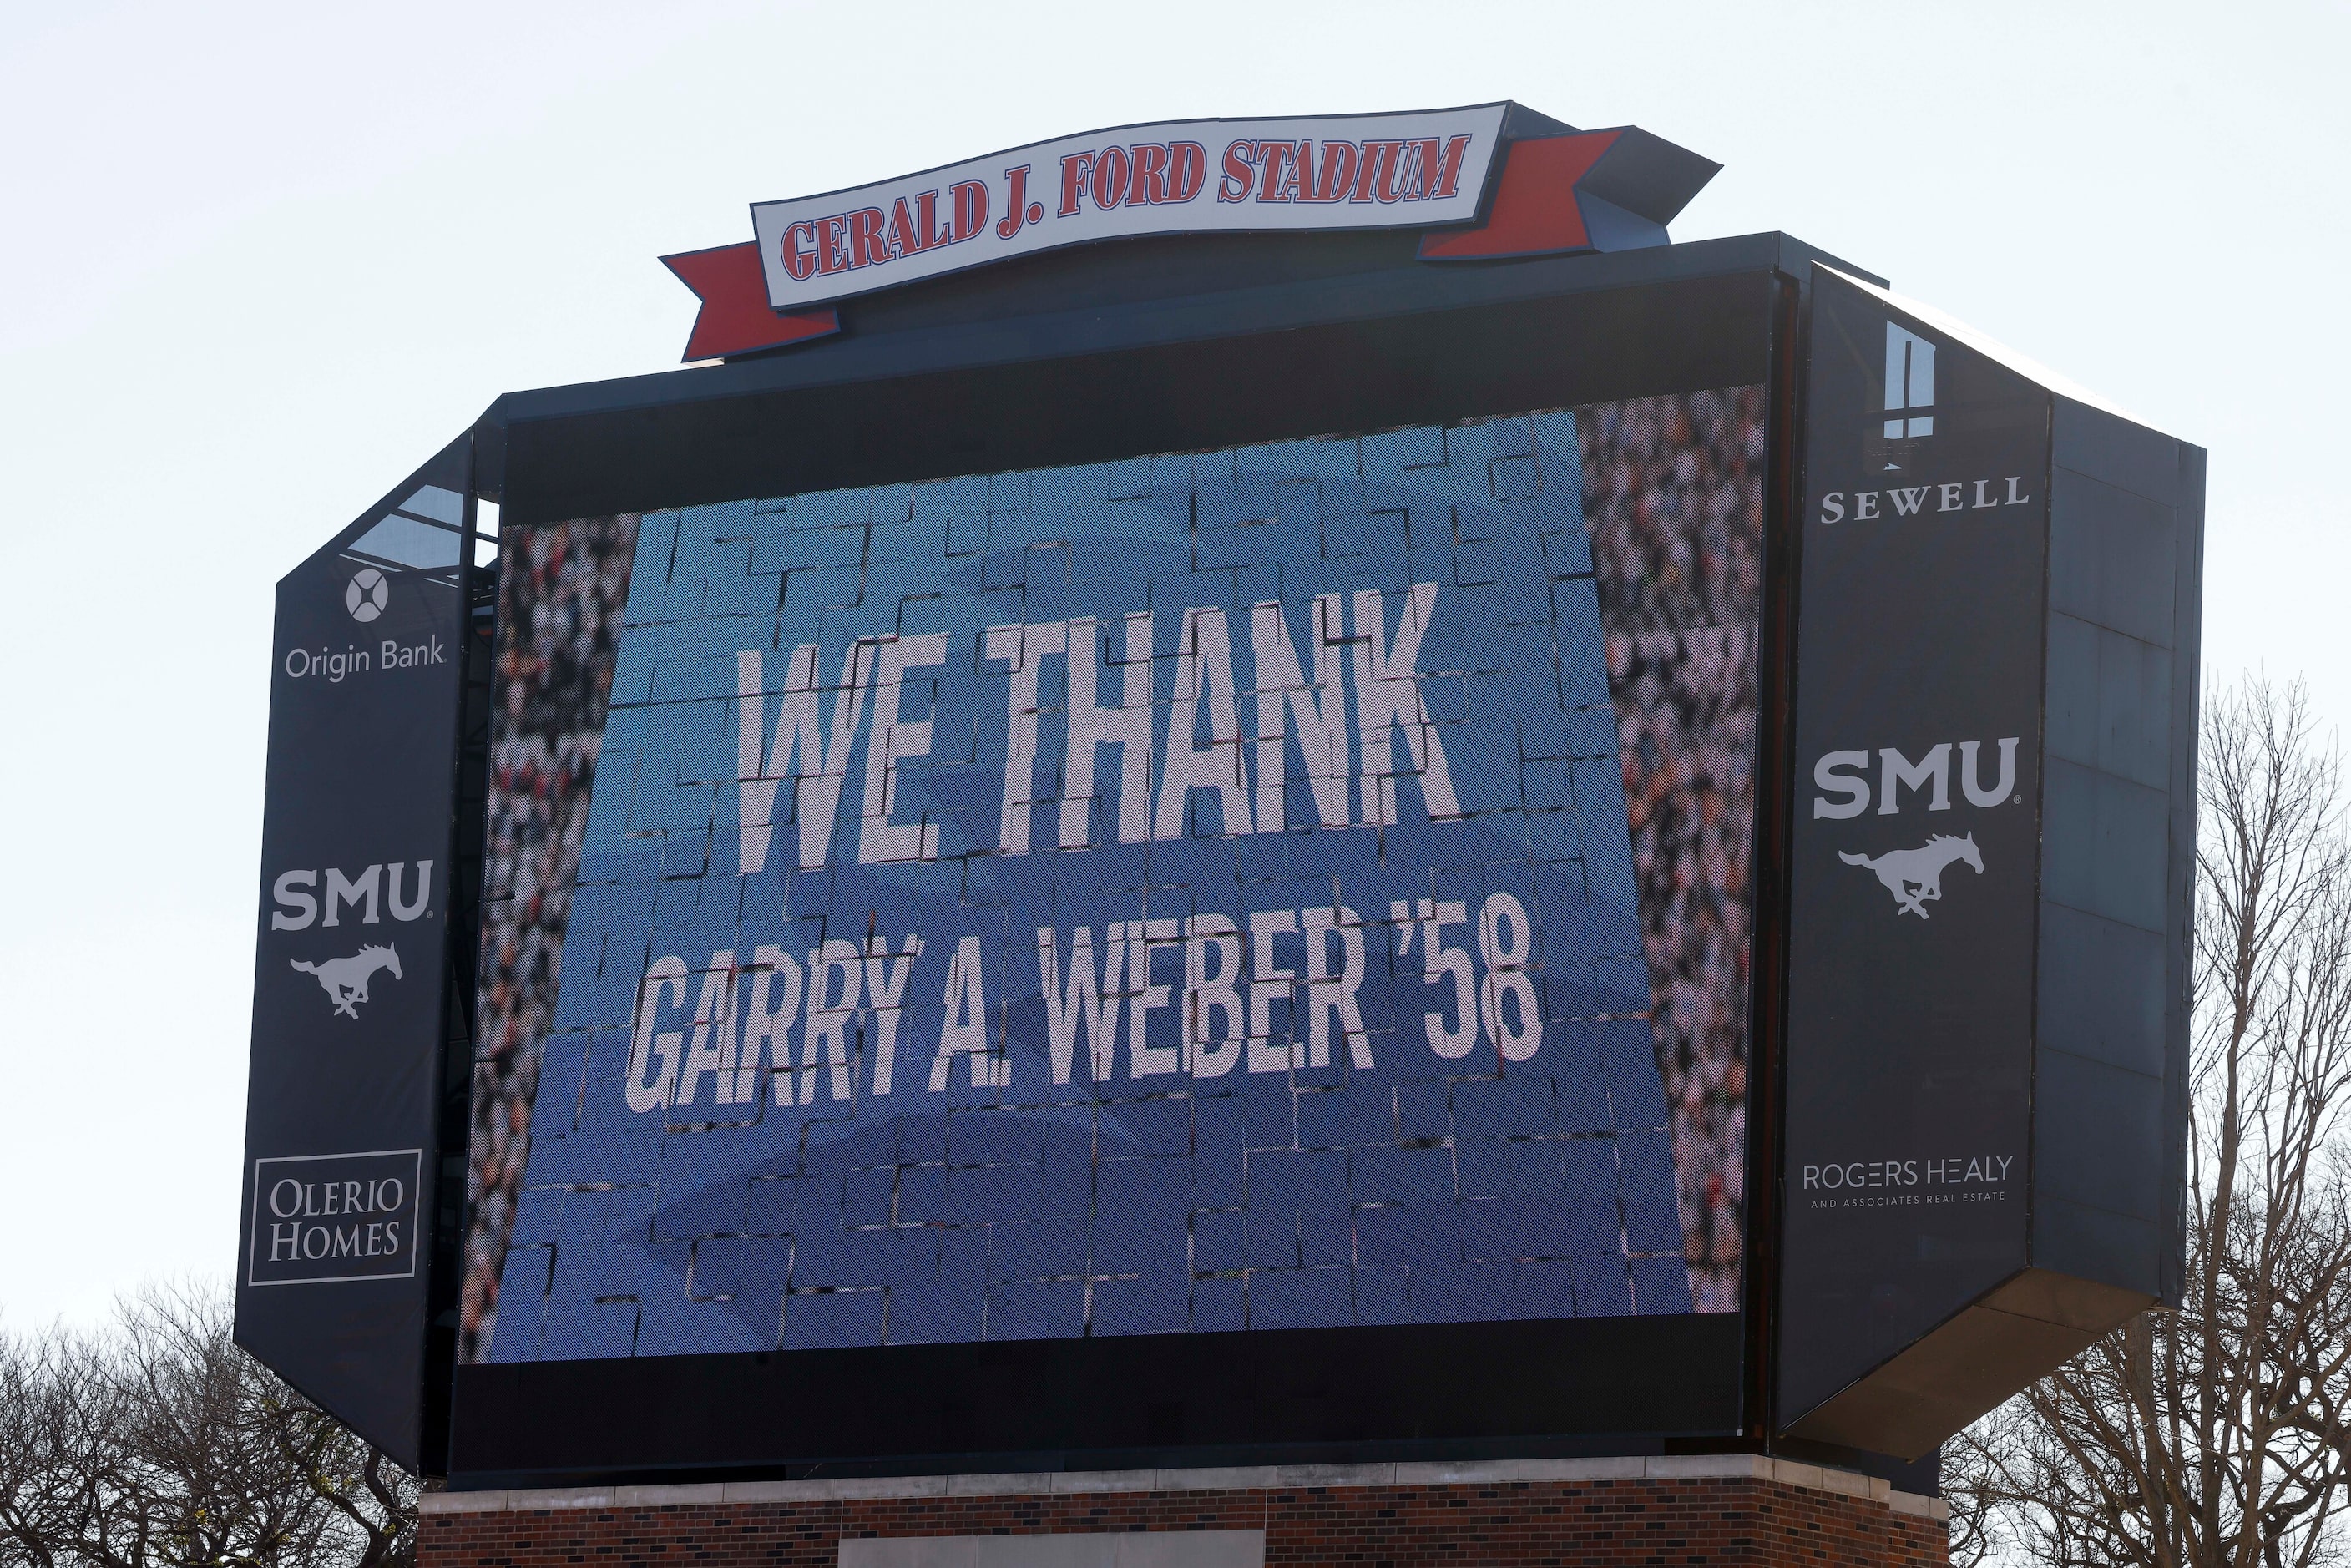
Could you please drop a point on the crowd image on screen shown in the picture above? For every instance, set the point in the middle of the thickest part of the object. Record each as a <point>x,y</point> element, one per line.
<point>1673,496</point>
<point>561,592</point>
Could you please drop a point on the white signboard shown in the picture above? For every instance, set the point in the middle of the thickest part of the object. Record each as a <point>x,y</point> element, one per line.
<point>1415,170</point>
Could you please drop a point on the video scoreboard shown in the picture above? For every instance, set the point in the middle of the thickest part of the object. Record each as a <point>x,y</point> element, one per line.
<point>1396,818</point>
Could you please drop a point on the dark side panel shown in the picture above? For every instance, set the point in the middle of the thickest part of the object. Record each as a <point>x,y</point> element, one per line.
<point>2026,575</point>
<point>349,1012</point>
<point>2126,545</point>
<point>1916,838</point>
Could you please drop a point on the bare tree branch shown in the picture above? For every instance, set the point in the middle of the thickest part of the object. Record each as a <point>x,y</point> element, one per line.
<point>2220,1436</point>
<point>159,1444</point>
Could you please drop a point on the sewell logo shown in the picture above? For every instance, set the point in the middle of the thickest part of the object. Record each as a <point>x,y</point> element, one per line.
<point>1909,384</point>
<point>1918,500</point>
<point>322,1219</point>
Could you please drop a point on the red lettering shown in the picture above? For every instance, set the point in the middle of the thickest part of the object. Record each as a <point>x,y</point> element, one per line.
<point>906,239</point>
<point>866,245</point>
<point>1419,168</point>
<point>1278,181</point>
<point>1189,166</point>
<point>1233,184</point>
<point>832,242</point>
<point>1017,208</point>
<point>927,214</point>
<point>1110,178</point>
<point>1075,168</point>
<point>970,199</point>
<point>1336,175</point>
<point>1377,167</point>
<point>1150,175</point>
<point>1448,173</point>
<point>800,263</point>
<point>1397,175</point>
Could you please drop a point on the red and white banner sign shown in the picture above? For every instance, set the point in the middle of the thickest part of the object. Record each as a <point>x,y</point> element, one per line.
<point>1415,170</point>
<point>1448,172</point>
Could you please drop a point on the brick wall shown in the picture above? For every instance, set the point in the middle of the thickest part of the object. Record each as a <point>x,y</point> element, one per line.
<point>1742,1509</point>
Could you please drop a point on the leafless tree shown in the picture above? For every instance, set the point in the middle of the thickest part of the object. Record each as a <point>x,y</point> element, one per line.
<point>2220,1436</point>
<point>157,1443</point>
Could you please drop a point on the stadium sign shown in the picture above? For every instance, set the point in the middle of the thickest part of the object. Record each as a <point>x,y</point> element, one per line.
<point>1330,852</point>
<point>1196,176</point>
<point>1474,178</point>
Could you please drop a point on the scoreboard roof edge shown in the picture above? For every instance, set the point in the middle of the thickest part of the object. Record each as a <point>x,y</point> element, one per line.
<point>1481,182</point>
<point>1021,313</point>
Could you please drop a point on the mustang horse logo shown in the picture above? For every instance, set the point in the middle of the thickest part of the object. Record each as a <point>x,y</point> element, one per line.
<point>346,979</point>
<point>1922,868</point>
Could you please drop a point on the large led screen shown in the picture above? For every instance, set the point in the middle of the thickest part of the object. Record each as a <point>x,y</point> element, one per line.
<point>1299,886</point>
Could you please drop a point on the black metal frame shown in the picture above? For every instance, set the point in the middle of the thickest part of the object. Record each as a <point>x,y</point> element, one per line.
<point>1190,344</point>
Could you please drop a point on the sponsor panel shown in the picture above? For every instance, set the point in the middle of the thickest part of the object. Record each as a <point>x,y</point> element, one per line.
<point>1916,844</point>
<point>349,1017</point>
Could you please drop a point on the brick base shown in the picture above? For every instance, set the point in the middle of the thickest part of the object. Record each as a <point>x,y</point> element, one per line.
<point>1736,1509</point>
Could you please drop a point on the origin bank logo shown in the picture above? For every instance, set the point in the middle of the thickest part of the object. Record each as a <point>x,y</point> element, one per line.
<point>367,595</point>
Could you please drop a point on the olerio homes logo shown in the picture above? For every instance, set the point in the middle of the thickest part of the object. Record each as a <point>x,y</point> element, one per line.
<point>324,1218</point>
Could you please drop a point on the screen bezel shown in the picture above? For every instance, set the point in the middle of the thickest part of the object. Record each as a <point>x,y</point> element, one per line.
<point>1462,1390</point>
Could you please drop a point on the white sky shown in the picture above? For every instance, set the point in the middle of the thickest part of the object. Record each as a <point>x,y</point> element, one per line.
<point>261,261</point>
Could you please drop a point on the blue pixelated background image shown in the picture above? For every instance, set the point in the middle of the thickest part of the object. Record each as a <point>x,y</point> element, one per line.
<point>962,1192</point>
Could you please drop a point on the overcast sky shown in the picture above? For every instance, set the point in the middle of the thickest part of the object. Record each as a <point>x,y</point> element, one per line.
<point>262,261</point>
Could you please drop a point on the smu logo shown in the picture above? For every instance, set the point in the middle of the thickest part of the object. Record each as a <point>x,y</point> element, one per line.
<point>1914,876</point>
<point>1845,774</point>
<point>345,980</point>
<point>378,887</point>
